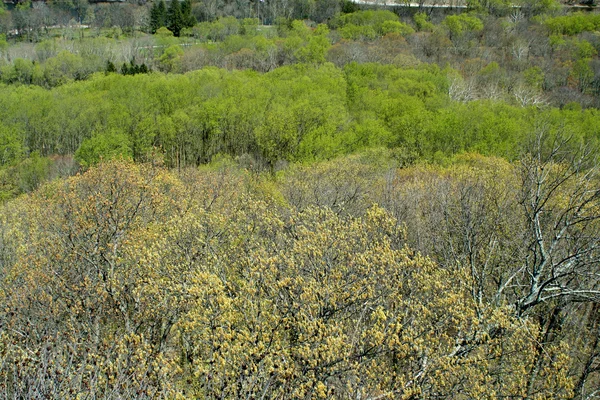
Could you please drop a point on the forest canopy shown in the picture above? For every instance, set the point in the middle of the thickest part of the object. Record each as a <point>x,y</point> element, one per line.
<point>214,282</point>
<point>298,113</point>
<point>299,200</point>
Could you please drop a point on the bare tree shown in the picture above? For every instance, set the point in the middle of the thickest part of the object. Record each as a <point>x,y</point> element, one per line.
<point>527,96</point>
<point>561,202</point>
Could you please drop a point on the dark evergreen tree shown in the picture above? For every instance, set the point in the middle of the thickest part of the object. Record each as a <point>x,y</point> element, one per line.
<point>133,68</point>
<point>154,18</point>
<point>110,67</point>
<point>349,7</point>
<point>158,16</point>
<point>175,18</point>
<point>186,10</point>
<point>124,69</point>
<point>162,12</point>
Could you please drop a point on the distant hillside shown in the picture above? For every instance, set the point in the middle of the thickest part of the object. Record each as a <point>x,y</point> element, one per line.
<point>12,2</point>
<point>454,3</point>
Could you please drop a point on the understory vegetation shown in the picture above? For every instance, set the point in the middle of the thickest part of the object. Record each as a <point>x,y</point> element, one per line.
<point>299,200</point>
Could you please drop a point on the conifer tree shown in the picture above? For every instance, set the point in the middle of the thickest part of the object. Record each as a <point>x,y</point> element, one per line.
<point>175,18</point>
<point>158,16</point>
<point>186,10</point>
<point>110,67</point>
<point>154,18</point>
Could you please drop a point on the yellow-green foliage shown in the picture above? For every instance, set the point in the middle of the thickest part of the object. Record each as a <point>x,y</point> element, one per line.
<point>139,282</point>
<point>573,24</point>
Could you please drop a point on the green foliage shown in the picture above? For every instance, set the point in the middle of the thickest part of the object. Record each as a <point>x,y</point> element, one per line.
<point>24,5</point>
<point>315,49</point>
<point>11,146</point>
<point>63,68</point>
<point>23,71</point>
<point>304,112</point>
<point>220,29</point>
<point>164,37</point>
<point>573,24</point>
<point>368,18</point>
<point>369,24</point>
<point>230,43</point>
<point>356,32</point>
<point>32,171</point>
<point>583,74</point>
<point>104,147</point>
<point>460,24</point>
<point>422,21</point>
<point>170,59</point>
<point>582,49</point>
<point>249,26</point>
<point>3,44</point>
<point>537,7</point>
<point>46,49</point>
<point>277,137</point>
<point>396,27</point>
<point>534,77</point>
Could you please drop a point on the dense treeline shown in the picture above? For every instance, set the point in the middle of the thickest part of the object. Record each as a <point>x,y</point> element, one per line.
<point>294,113</point>
<point>139,282</point>
<point>32,20</point>
<point>541,59</point>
